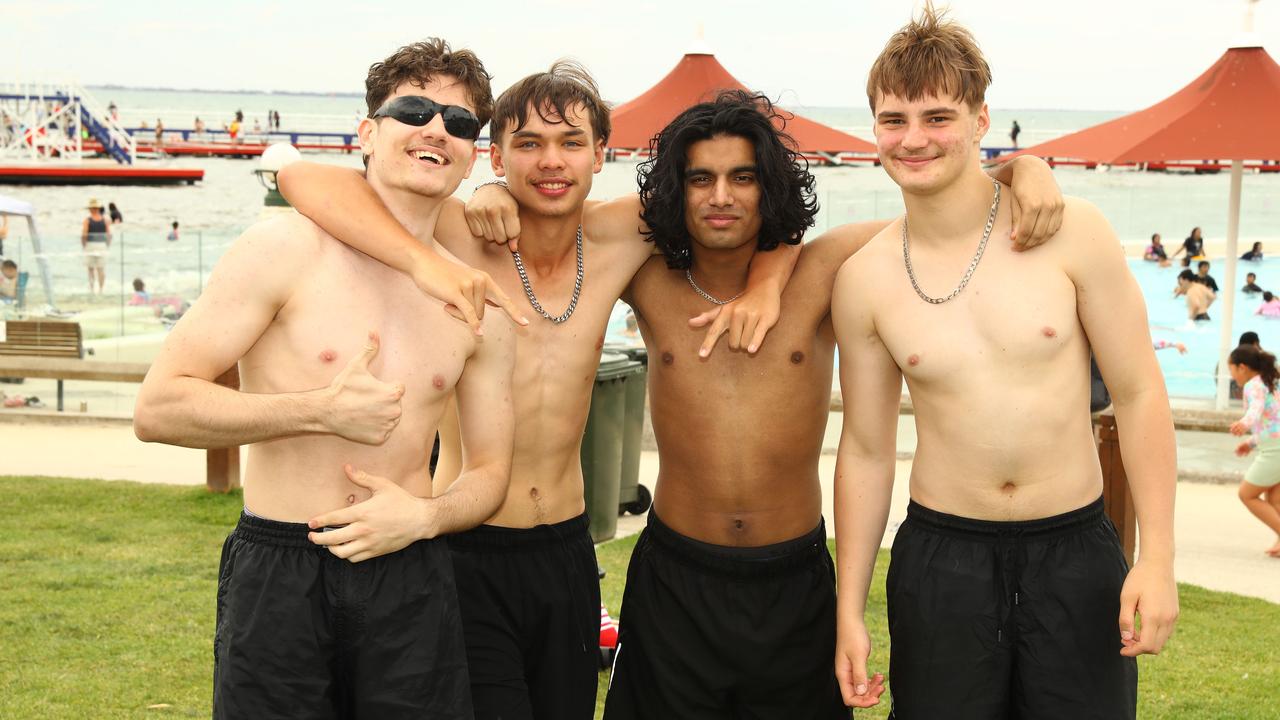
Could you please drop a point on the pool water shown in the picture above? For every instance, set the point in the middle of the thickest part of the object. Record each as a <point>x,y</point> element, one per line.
<point>1189,375</point>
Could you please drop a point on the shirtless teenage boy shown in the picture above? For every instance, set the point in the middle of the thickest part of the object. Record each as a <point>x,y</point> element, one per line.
<point>527,577</point>
<point>1008,592</point>
<point>356,379</point>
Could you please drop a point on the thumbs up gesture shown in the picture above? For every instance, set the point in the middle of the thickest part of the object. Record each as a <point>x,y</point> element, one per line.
<point>362,408</point>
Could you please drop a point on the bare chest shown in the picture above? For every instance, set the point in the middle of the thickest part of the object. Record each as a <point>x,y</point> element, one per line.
<point>1014,316</point>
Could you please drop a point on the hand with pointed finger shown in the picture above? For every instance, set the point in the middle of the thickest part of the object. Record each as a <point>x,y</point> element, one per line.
<point>853,647</point>
<point>747,320</point>
<point>1148,608</point>
<point>359,406</point>
<point>494,215</point>
<point>1037,203</point>
<point>464,290</point>
<point>390,520</point>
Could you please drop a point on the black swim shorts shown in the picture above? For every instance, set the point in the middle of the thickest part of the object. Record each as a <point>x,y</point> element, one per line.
<point>530,600</point>
<point>708,631</point>
<point>992,620</point>
<point>304,634</point>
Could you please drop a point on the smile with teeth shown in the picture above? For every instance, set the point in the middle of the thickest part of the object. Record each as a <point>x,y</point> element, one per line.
<point>552,185</point>
<point>430,156</point>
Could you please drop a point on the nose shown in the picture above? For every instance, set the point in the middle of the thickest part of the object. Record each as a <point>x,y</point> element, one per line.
<point>434,130</point>
<point>914,137</point>
<point>551,157</point>
<point>721,193</point>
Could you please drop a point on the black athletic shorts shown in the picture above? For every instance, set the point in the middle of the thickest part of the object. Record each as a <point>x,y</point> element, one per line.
<point>998,620</point>
<point>530,601</point>
<point>304,634</point>
<point>708,631</point>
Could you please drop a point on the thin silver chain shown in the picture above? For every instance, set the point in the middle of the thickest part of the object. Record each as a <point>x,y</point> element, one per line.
<point>533,300</point>
<point>688,273</point>
<point>973,264</point>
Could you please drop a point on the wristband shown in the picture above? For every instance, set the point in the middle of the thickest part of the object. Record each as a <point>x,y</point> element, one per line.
<point>502,183</point>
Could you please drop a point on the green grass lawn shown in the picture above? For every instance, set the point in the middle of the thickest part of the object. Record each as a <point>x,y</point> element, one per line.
<point>107,602</point>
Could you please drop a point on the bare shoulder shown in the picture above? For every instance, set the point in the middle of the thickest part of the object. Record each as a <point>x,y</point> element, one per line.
<point>284,243</point>
<point>875,254</point>
<point>839,243</point>
<point>1085,227</point>
<point>614,221</point>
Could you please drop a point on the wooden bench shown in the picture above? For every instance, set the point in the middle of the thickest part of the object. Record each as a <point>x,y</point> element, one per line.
<point>55,350</point>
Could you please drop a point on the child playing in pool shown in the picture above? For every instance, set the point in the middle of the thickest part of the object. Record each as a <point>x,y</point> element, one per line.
<point>1256,372</point>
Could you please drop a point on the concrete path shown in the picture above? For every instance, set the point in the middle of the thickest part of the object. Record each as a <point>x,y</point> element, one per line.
<point>1219,545</point>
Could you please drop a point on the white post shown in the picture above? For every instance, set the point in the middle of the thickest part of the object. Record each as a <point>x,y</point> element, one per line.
<point>1228,288</point>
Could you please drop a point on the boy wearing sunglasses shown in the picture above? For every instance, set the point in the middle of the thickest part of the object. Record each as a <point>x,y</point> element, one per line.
<point>355,615</point>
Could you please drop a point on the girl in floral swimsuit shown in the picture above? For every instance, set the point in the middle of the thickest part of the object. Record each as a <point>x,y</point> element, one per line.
<point>1256,372</point>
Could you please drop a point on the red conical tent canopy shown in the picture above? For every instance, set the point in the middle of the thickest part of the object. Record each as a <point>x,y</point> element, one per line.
<point>698,78</point>
<point>1230,112</point>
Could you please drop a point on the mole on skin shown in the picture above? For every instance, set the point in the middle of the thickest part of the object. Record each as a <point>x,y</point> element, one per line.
<point>914,360</point>
<point>667,358</point>
<point>797,357</point>
<point>328,356</point>
<point>1049,332</point>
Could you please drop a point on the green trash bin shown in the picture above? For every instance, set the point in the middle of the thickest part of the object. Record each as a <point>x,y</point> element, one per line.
<point>632,496</point>
<point>602,444</point>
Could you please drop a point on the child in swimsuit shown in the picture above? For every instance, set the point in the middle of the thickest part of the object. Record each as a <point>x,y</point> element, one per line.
<point>1256,372</point>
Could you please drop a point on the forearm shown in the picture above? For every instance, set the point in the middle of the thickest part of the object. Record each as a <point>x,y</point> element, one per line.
<point>863,491</point>
<point>473,498</point>
<point>773,268</point>
<point>341,202</point>
<point>197,413</point>
<point>1004,172</point>
<point>1149,449</point>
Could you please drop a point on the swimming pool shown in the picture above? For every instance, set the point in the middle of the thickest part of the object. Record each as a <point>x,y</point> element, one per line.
<point>1189,375</point>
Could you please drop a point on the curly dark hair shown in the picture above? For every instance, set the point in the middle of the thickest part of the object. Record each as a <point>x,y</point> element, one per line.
<point>787,201</point>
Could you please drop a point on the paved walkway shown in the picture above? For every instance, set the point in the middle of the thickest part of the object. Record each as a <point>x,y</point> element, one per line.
<point>1219,545</point>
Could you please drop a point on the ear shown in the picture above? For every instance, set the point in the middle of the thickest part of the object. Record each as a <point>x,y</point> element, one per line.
<point>475,153</point>
<point>368,133</point>
<point>984,122</point>
<point>495,159</point>
<point>597,163</point>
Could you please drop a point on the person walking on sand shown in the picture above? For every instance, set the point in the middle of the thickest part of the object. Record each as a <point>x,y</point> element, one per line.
<point>1255,370</point>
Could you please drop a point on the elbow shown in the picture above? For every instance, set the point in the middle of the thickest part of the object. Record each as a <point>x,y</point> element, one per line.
<point>149,424</point>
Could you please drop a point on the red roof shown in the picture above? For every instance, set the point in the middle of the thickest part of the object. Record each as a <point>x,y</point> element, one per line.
<point>1230,112</point>
<point>698,78</point>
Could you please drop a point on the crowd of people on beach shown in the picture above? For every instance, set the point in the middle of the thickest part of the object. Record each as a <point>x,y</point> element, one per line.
<point>471,588</point>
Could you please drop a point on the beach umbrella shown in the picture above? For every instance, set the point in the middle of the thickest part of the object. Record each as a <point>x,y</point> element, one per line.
<point>699,77</point>
<point>1231,112</point>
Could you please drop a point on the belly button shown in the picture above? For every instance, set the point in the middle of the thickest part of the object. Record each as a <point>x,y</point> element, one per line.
<point>351,499</point>
<point>1008,487</point>
<point>737,524</point>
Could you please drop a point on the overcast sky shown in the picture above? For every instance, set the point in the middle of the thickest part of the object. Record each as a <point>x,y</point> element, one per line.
<point>1075,54</point>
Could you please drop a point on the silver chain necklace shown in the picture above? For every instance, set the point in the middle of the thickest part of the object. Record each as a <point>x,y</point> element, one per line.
<point>533,300</point>
<point>973,264</point>
<point>688,273</point>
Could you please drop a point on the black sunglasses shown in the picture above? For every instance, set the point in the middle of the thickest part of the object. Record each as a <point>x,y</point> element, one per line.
<point>418,111</point>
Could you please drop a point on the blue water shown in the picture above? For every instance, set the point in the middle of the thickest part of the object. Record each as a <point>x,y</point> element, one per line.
<point>1189,375</point>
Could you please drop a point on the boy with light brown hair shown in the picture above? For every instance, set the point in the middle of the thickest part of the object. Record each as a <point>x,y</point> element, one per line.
<point>1008,594</point>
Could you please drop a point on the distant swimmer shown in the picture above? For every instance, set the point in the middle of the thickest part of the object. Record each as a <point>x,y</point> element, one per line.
<point>173,233</point>
<point>1014,133</point>
<point>1193,246</point>
<point>1155,252</point>
<point>1270,306</point>
<point>1204,278</point>
<point>1251,284</point>
<point>1165,344</point>
<point>1199,296</point>
<point>1254,254</point>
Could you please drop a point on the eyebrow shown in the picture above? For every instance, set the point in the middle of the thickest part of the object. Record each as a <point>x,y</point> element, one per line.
<point>893,114</point>
<point>708,171</point>
<point>572,132</point>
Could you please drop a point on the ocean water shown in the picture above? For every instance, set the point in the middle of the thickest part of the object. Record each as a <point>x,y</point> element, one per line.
<point>212,213</point>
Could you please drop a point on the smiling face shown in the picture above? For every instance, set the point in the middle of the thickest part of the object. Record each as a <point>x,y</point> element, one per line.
<point>425,160</point>
<point>548,163</point>
<point>722,193</point>
<point>926,144</point>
